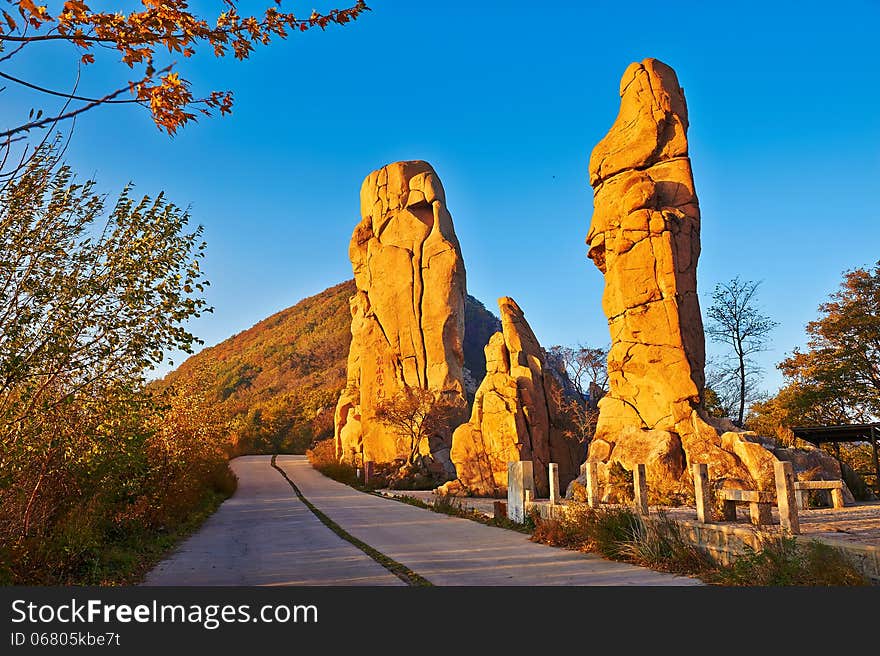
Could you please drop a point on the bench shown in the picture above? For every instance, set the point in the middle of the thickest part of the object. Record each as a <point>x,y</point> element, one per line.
<point>802,488</point>
<point>759,504</point>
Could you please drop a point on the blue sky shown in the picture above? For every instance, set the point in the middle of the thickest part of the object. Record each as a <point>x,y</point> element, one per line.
<point>506,100</point>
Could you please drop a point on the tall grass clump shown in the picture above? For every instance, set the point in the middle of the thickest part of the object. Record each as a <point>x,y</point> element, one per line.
<point>787,562</point>
<point>619,533</point>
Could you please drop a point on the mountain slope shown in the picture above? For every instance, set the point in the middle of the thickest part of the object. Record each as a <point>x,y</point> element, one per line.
<point>277,382</point>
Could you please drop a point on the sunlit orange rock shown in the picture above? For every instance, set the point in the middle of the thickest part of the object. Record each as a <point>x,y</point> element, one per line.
<point>645,238</point>
<point>408,312</point>
<point>516,415</point>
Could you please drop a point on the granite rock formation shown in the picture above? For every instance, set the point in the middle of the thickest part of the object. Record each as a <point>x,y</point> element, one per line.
<point>516,415</point>
<point>645,238</point>
<point>407,313</point>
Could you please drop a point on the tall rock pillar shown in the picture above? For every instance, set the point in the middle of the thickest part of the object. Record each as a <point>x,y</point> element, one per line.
<point>645,239</point>
<point>408,312</point>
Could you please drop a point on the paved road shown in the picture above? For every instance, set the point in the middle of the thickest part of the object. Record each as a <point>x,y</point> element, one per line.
<point>454,551</point>
<point>264,535</point>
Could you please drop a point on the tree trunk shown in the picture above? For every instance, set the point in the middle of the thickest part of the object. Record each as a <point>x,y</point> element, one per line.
<point>30,504</point>
<point>742,390</point>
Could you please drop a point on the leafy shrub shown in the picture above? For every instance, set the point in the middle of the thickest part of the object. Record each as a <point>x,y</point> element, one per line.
<point>620,484</point>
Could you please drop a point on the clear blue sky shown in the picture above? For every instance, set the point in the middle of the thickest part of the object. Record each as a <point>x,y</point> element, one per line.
<point>506,100</point>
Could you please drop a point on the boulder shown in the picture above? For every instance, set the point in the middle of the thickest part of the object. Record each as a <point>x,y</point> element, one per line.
<point>755,455</point>
<point>813,464</point>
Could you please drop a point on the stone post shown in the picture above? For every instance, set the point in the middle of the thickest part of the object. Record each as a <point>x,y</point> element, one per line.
<point>702,492</point>
<point>553,475</point>
<point>640,489</point>
<point>592,483</point>
<point>516,491</point>
<point>837,497</point>
<point>369,470</point>
<point>529,478</point>
<point>785,499</point>
<point>802,498</point>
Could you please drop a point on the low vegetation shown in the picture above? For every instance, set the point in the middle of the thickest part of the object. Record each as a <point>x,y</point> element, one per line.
<point>397,475</point>
<point>618,533</point>
<point>107,517</point>
<point>453,506</point>
<point>322,456</point>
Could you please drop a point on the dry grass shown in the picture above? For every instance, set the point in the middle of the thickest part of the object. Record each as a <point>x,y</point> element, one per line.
<point>322,456</point>
<point>618,533</point>
<point>786,562</point>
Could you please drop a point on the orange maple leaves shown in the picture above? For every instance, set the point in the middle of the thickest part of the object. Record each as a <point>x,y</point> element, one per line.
<point>163,25</point>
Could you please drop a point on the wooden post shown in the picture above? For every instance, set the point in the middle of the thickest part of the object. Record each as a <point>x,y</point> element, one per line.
<point>702,491</point>
<point>369,470</point>
<point>785,498</point>
<point>640,489</point>
<point>592,484</point>
<point>553,475</point>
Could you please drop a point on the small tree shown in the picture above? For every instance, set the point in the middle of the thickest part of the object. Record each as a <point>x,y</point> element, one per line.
<point>89,301</point>
<point>837,378</point>
<point>578,415</point>
<point>736,321</point>
<point>417,415</point>
<point>585,367</point>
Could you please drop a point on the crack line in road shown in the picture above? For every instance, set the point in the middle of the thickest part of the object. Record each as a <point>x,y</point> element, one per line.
<point>398,569</point>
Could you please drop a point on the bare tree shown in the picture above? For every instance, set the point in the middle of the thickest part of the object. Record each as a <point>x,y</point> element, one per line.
<point>417,415</point>
<point>577,414</point>
<point>736,321</point>
<point>585,367</point>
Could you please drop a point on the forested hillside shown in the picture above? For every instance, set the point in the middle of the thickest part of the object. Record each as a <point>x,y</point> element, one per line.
<point>277,382</point>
